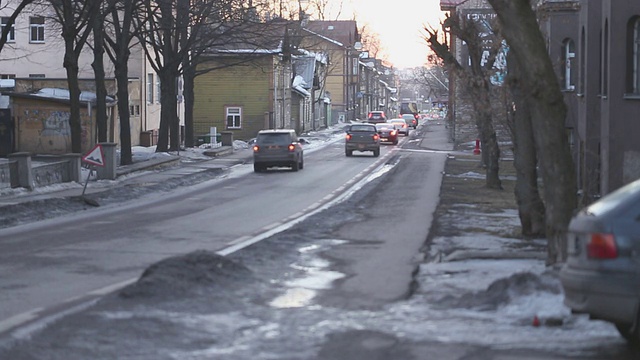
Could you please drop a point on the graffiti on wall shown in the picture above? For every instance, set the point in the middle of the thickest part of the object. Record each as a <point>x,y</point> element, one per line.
<point>45,131</point>
<point>48,131</point>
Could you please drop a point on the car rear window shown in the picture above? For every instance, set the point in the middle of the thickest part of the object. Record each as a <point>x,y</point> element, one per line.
<point>612,200</point>
<point>363,128</point>
<point>274,138</point>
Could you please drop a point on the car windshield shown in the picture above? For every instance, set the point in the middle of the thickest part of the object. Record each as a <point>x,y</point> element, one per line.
<point>384,126</point>
<point>273,138</point>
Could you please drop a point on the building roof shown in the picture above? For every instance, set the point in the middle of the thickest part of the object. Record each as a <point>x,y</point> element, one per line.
<point>342,31</point>
<point>252,38</point>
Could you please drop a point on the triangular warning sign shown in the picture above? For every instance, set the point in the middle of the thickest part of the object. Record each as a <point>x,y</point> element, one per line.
<point>95,156</point>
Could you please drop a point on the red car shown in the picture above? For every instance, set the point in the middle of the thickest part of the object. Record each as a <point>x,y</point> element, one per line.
<point>388,133</point>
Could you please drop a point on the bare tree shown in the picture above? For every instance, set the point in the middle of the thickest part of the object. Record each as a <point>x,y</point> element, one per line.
<point>476,76</point>
<point>370,41</point>
<point>74,18</point>
<point>98,69</point>
<point>158,23</point>
<point>548,112</point>
<point>119,38</point>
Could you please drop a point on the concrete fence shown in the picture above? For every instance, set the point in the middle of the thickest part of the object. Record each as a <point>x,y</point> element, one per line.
<point>24,170</point>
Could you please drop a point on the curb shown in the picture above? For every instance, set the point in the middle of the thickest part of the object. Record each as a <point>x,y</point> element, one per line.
<point>147,165</point>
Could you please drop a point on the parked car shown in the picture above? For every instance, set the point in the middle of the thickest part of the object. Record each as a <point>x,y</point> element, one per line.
<point>601,276</point>
<point>362,137</point>
<point>401,125</point>
<point>376,117</point>
<point>388,133</point>
<point>411,119</point>
<point>277,148</point>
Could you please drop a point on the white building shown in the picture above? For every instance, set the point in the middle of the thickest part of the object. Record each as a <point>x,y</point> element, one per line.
<point>35,50</point>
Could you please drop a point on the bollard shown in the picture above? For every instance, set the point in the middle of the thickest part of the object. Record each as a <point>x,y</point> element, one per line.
<point>476,151</point>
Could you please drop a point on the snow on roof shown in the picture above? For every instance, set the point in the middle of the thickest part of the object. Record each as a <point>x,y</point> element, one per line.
<point>57,93</point>
<point>299,85</point>
<point>7,83</point>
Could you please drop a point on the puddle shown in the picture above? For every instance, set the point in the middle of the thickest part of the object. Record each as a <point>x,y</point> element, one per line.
<point>302,290</point>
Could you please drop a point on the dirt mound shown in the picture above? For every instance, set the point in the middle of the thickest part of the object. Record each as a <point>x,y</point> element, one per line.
<point>193,273</point>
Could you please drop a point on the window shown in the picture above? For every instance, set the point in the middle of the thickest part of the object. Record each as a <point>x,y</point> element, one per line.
<point>635,56</point>
<point>157,89</point>
<point>134,110</point>
<point>149,88</point>
<point>36,27</point>
<point>11,37</point>
<point>36,75</point>
<point>7,76</point>
<point>568,57</point>
<point>234,117</point>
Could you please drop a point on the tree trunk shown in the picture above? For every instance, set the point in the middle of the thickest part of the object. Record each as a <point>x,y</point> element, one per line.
<point>75,124</point>
<point>530,206</point>
<point>481,101</point>
<point>98,70</point>
<point>118,41</point>
<point>522,32</point>
<point>169,134</point>
<point>189,101</point>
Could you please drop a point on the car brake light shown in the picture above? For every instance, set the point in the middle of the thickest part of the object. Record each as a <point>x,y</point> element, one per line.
<point>376,137</point>
<point>348,136</point>
<point>602,246</point>
<point>256,148</point>
<point>393,132</point>
<point>292,147</point>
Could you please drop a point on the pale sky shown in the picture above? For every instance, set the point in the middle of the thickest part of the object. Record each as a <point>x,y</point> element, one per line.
<point>399,24</point>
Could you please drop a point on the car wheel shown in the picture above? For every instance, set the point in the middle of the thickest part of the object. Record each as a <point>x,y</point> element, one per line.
<point>257,168</point>
<point>376,153</point>
<point>301,163</point>
<point>348,152</point>
<point>295,166</point>
<point>395,142</point>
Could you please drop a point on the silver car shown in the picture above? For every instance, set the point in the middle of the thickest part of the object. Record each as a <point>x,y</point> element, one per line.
<point>401,125</point>
<point>601,277</point>
<point>277,148</point>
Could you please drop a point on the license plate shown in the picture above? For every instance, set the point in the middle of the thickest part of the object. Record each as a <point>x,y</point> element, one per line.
<point>360,146</point>
<point>384,139</point>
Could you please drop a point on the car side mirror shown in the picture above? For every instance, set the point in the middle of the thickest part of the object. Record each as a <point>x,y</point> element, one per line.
<point>302,141</point>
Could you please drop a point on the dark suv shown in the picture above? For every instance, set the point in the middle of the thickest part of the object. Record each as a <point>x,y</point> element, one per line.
<point>362,137</point>
<point>278,147</point>
<point>375,117</point>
